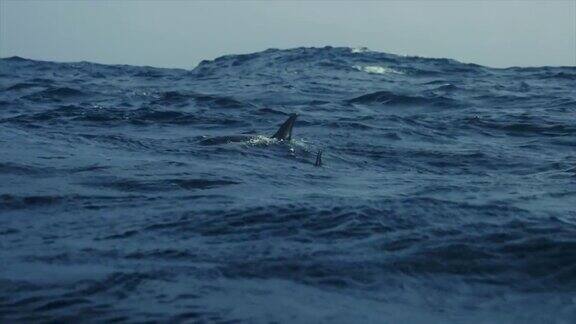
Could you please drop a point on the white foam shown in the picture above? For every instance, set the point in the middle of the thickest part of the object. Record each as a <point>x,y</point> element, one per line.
<point>377,69</point>
<point>261,140</point>
<point>299,144</point>
<point>360,50</point>
<point>293,145</point>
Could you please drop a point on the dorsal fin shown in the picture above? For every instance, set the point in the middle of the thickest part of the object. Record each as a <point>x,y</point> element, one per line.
<point>284,133</point>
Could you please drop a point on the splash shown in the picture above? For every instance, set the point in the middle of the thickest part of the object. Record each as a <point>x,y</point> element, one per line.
<point>375,69</point>
<point>359,50</point>
<point>261,140</point>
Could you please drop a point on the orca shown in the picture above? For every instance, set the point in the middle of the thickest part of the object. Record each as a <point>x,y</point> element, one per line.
<point>284,133</point>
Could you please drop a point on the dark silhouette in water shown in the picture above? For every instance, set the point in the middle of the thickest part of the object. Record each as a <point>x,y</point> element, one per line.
<point>318,162</point>
<point>284,133</point>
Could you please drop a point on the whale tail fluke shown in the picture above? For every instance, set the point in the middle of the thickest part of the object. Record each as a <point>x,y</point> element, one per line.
<point>284,133</point>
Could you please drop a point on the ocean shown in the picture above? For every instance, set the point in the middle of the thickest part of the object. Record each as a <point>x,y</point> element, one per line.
<point>447,191</point>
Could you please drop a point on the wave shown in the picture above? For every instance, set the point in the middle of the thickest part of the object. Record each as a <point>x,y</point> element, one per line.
<point>375,69</point>
<point>526,129</point>
<point>176,98</point>
<point>71,114</point>
<point>129,185</point>
<point>55,94</point>
<point>22,86</point>
<point>534,249</point>
<point>393,99</point>
<point>9,201</point>
<point>101,168</point>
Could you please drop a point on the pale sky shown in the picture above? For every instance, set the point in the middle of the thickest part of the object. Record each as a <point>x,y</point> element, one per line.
<point>182,33</point>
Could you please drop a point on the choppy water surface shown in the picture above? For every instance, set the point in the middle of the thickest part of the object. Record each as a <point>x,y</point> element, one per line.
<point>447,193</point>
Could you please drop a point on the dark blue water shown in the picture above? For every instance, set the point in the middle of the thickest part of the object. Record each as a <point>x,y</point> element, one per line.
<point>447,194</point>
